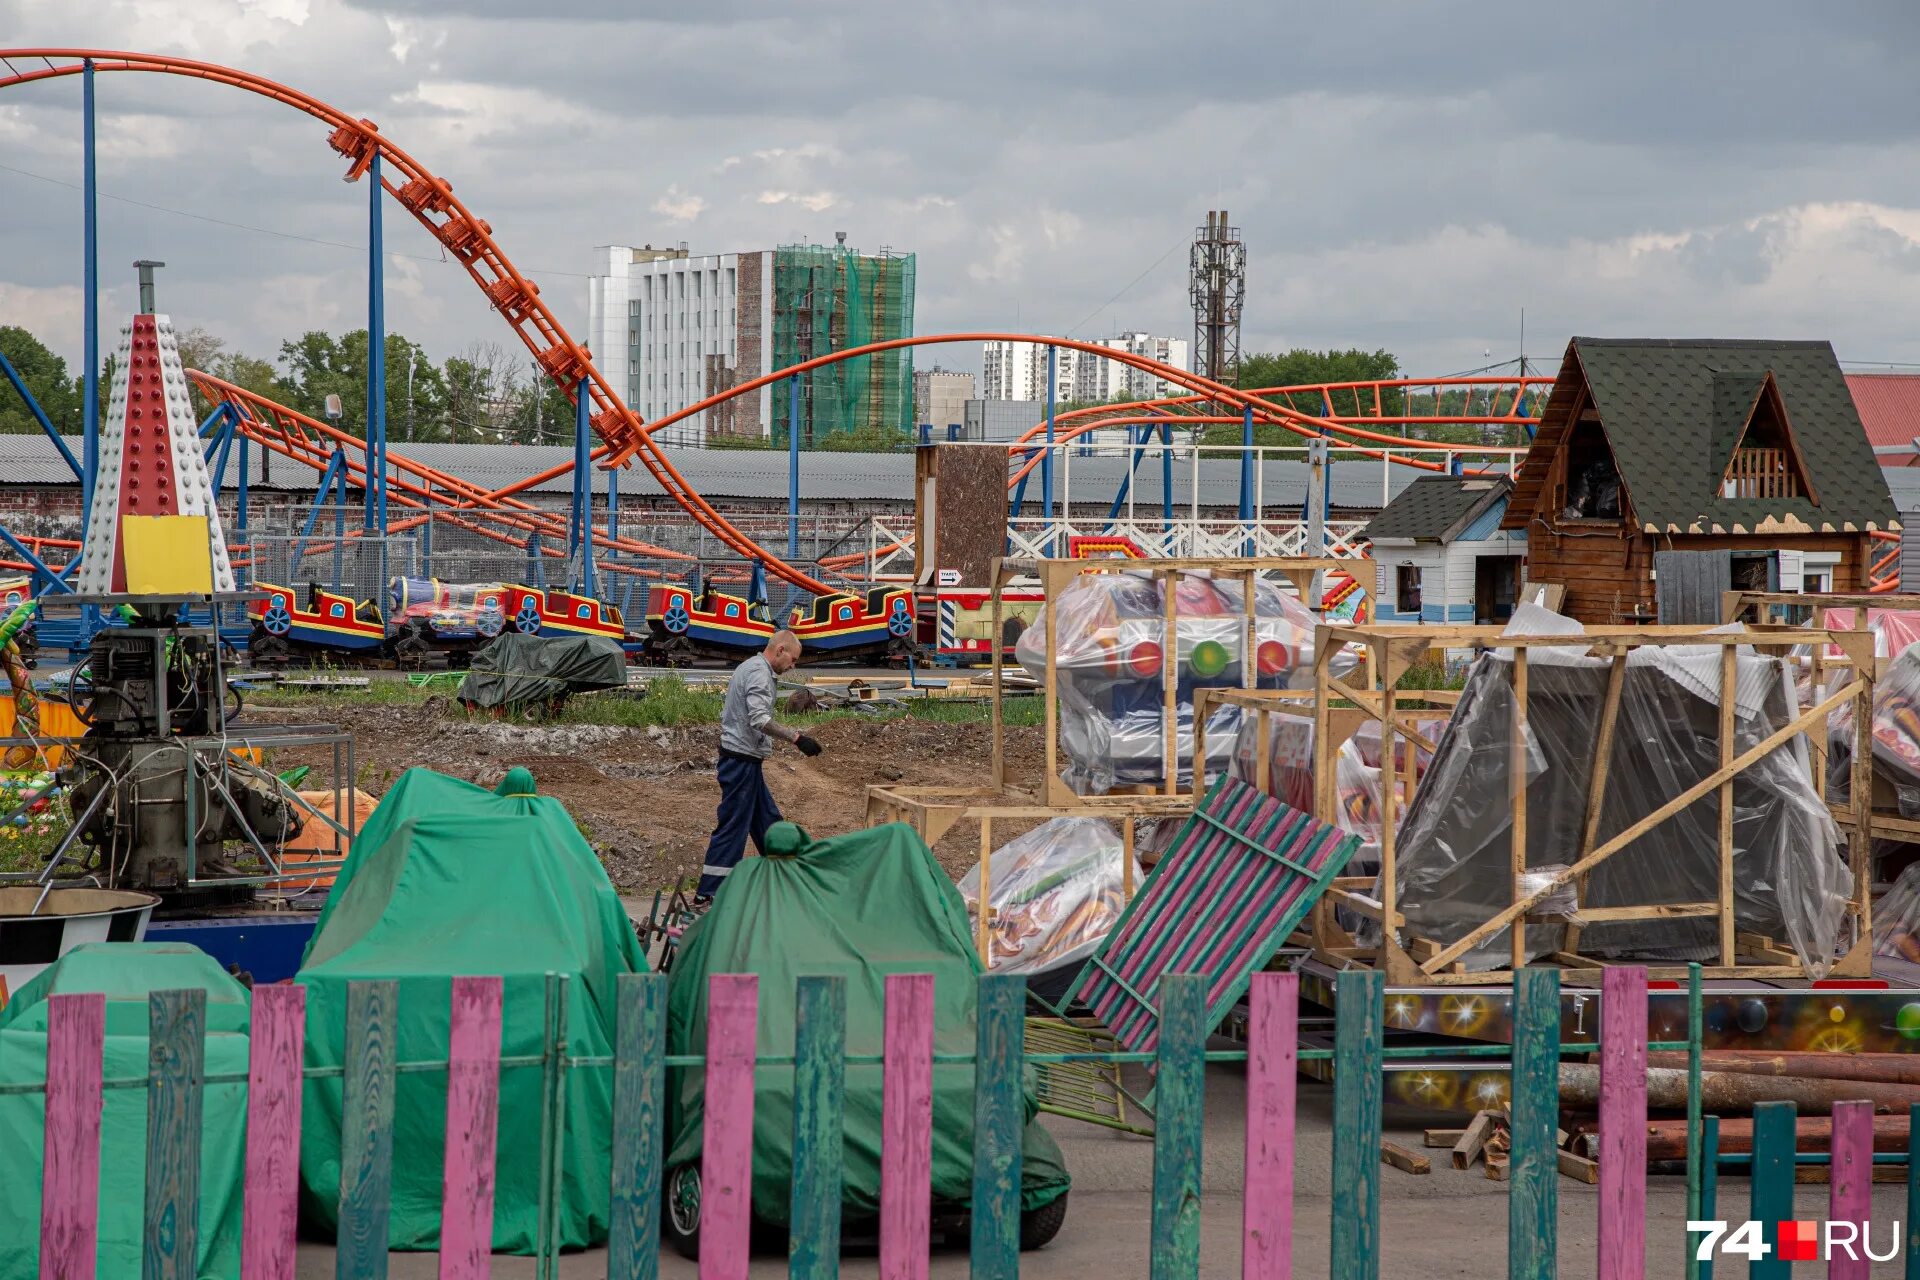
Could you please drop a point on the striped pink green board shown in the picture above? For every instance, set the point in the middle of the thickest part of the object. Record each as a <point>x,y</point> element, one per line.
<point>1243,871</point>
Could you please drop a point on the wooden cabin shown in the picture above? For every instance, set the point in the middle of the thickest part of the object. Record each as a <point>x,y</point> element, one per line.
<point>1442,555</point>
<point>1749,450</point>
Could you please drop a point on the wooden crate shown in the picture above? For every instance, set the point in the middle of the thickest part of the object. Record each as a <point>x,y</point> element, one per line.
<point>1415,961</point>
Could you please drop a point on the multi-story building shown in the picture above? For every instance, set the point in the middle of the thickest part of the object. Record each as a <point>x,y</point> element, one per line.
<point>940,397</point>
<point>1018,370</point>
<point>671,328</point>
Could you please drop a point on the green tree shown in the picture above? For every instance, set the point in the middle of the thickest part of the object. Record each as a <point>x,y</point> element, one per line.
<point>45,376</point>
<point>1304,367</point>
<point>319,364</point>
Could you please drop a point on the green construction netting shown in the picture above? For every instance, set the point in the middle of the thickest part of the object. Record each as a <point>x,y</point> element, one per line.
<point>828,299</point>
<point>452,879</point>
<point>126,972</point>
<point>859,906</point>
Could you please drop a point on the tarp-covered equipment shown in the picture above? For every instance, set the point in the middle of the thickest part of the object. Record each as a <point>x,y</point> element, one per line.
<point>517,670</point>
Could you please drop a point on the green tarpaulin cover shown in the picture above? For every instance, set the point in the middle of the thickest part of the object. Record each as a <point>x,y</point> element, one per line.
<point>126,972</point>
<point>859,906</point>
<point>451,879</point>
<point>519,669</point>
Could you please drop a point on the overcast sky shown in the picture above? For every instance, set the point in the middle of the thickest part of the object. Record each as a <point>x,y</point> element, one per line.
<point>1407,176</point>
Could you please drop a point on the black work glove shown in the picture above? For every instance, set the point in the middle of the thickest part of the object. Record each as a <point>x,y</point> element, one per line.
<point>808,746</point>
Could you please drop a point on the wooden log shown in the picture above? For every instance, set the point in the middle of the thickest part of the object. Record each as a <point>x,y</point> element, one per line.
<point>1882,1068</point>
<point>1581,1169</point>
<point>1732,1093</point>
<point>1667,1139</point>
<point>1442,1137</point>
<point>1401,1158</point>
<point>1497,1167</point>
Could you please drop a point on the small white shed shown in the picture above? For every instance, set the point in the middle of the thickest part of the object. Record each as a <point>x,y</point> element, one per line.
<point>1441,554</point>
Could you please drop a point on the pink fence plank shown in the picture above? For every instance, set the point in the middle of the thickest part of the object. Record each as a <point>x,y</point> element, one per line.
<point>906,1128</point>
<point>726,1167</point>
<point>1850,1194</point>
<point>70,1174</point>
<point>270,1211</point>
<point>1273,1037</point>
<point>1623,1124</point>
<point>473,1099</point>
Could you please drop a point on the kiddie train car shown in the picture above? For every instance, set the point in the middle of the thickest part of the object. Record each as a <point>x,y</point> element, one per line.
<point>1110,639</point>
<point>446,617</point>
<point>880,623</point>
<point>549,612</point>
<point>321,620</point>
<point>683,624</point>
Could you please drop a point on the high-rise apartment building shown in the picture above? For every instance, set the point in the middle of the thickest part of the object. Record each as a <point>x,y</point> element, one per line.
<point>671,328</point>
<point>1018,370</point>
<point>940,397</point>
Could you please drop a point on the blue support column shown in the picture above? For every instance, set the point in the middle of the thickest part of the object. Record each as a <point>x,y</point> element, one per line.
<point>89,198</point>
<point>582,530</point>
<point>246,572</point>
<point>1166,478</point>
<point>1046,459</point>
<point>1246,474</point>
<point>376,358</point>
<point>613,504</point>
<point>40,416</point>
<point>793,468</point>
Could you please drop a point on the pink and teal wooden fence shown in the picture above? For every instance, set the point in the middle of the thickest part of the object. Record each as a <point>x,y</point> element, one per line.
<point>640,1063</point>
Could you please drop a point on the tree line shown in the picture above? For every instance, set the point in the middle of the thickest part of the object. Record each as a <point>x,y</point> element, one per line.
<point>485,394</point>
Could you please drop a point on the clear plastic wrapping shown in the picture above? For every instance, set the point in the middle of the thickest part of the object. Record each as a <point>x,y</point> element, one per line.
<point>1453,853</point>
<point>1108,640</point>
<point>1896,918</point>
<point>1896,737</point>
<point>1057,892</point>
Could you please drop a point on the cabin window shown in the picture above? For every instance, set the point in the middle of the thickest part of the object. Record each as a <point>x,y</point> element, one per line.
<point>1406,588</point>
<point>336,611</point>
<point>583,612</point>
<point>846,612</point>
<point>733,611</point>
<point>1593,482</point>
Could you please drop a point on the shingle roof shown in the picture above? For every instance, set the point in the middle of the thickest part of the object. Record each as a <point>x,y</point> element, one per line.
<point>1438,507</point>
<point>1664,403</point>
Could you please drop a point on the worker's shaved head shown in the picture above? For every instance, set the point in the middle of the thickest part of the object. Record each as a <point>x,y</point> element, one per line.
<point>783,650</point>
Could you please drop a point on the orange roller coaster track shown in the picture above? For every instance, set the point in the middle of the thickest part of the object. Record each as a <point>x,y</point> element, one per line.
<point>624,436</point>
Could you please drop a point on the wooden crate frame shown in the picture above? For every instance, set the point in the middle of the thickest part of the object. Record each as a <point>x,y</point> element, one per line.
<point>933,811</point>
<point>1419,961</point>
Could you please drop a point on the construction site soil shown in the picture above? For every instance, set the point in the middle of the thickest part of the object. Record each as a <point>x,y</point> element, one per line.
<point>645,797</point>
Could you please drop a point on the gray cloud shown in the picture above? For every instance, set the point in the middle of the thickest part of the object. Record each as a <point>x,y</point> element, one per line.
<point>1407,175</point>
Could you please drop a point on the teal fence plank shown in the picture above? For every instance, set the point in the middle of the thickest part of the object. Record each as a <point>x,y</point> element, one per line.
<point>999,1113</point>
<point>639,1104</point>
<point>176,1069</point>
<point>553,1127</point>
<point>1772,1196</point>
<point>366,1132</point>
<point>1709,1206</point>
<point>819,1127</point>
<point>1180,1091</point>
<point>1913,1192</point>
<point>1358,1003</point>
<point>1533,1195</point>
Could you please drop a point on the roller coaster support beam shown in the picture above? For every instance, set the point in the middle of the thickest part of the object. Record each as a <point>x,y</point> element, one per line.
<point>336,473</point>
<point>39,415</point>
<point>1166,476</point>
<point>41,573</point>
<point>1046,460</point>
<point>613,508</point>
<point>90,308</point>
<point>376,357</point>
<point>793,468</point>
<point>240,504</point>
<point>580,528</point>
<point>1246,474</point>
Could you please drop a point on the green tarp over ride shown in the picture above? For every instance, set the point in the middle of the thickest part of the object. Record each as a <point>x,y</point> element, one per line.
<point>517,669</point>
<point>859,906</point>
<point>450,879</point>
<point>126,973</point>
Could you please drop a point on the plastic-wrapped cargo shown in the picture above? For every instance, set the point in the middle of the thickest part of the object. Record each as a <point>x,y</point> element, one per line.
<point>1790,879</point>
<point>1109,638</point>
<point>1058,890</point>
<point>1896,918</point>
<point>1896,737</point>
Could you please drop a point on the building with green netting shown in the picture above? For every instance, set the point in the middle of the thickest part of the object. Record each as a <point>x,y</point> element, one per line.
<point>672,328</point>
